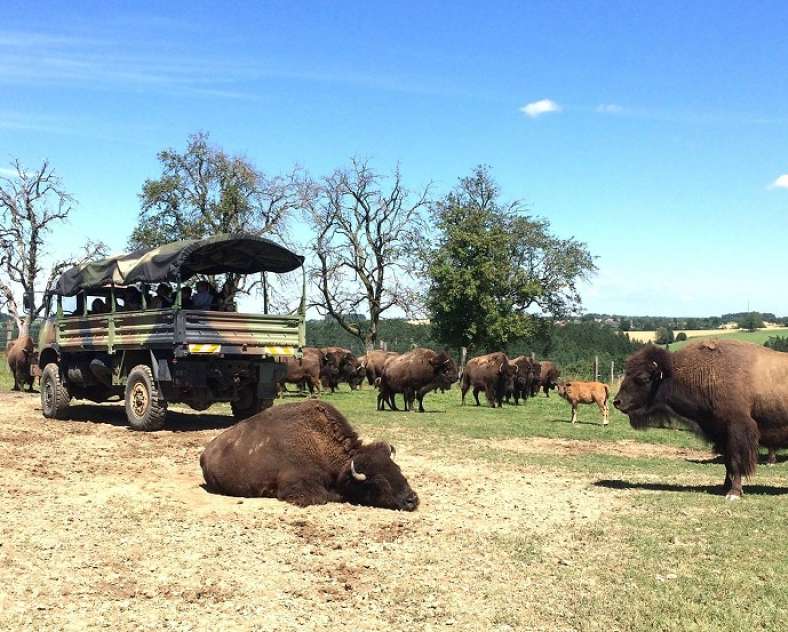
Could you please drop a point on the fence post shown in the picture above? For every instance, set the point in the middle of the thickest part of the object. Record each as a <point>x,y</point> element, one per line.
<point>463,355</point>
<point>596,368</point>
<point>612,372</point>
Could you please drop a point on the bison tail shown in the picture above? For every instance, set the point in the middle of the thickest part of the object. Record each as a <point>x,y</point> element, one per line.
<point>743,440</point>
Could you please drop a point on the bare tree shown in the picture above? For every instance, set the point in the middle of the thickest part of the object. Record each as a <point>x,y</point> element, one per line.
<point>31,203</point>
<point>366,230</point>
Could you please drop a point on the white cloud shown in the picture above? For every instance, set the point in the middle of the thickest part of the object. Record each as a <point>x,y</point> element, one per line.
<point>781,182</point>
<point>609,108</point>
<point>537,108</point>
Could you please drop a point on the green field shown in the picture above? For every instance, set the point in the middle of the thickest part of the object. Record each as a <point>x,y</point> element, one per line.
<point>676,555</point>
<point>757,337</point>
<point>673,555</point>
<point>6,379</point>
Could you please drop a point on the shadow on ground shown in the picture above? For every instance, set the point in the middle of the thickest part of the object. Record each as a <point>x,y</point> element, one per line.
<point>717,490</point>
<point>176,421</point>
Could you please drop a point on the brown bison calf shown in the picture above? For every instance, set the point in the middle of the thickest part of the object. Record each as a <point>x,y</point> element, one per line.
<point>19,354</point>
<point>585,393</point>
<point>306,454</point>
<point>732,393</point>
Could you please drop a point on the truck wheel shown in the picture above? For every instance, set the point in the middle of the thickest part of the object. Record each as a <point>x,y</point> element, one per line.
<point>146,409</point>
<point>54,395</point>
<point>248,405</point>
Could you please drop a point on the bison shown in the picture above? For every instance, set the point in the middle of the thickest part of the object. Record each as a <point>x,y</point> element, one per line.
<point>732,393</point>
<point>373,363</point>
<point>522,385</point>
<point>20,355</point>
<point>414,374</point>
<point>493,373</point>
<point>547,377</point>
<point>305,453</point>
<point>310,369</point>
<point>585,393</point>
<point>348,366</point>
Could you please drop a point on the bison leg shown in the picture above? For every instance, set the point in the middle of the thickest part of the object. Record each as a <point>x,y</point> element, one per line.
<point>771,458</point>
<point>476,395</point>
<point>603,409</point>
<point>741,456</point>
<point>546,389</point>
<point>465,386</point>
<point>574,414</point>
<point>303,492</point>
<point>489,393</point>
<point>420,397</point>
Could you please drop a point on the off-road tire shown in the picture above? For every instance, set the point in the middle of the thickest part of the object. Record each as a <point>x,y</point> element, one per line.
<point>55,397</point>
<point>250,405</point>
<point>146,408</point>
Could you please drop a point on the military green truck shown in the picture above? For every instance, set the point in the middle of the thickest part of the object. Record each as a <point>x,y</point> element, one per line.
<point>103,344</point>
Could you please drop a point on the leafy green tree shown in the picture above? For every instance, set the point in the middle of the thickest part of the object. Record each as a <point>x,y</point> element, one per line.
<point>663,336</point>
<point>751,321</point>
<point>492,267</point>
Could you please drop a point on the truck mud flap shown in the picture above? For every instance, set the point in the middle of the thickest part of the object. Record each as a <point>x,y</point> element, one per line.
<point>268,378</point>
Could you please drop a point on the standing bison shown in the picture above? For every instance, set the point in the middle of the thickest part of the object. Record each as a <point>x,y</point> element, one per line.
<point>522,385</point>
<point>585,393</point>
<point>305,454</point>
<point>348,366</point>
<point>20,354</point>
<point>546,377</point>
<point>493,373</point>
<point>374,362</point>
<point>733,393</point>
<point>414,374</point>
<point>309,370</point>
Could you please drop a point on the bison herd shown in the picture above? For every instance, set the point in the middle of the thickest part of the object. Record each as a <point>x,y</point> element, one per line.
<point>733,394</point>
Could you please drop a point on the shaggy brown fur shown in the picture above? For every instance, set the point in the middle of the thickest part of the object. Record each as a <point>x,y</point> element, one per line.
<point>733,393</point>
<point>548,377</point>
<point>493,373</point>
<point>577,393</point>
<point>309,369</point>
<point>414,374</point>
<point>305,453</point>
<point>374,362</point>
<point>348,367</point>
<point>19,354</point>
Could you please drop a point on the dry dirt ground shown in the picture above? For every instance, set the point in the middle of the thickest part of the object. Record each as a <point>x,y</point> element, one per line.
<point>101,527</point>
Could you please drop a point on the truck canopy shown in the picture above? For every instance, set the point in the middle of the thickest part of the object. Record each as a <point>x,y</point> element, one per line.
<point>239,253</point>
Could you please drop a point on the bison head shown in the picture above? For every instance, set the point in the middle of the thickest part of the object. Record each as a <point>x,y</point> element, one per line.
<point>446,372</point>
<point>561,387</point>
<point>647,372</point>
<point>372,478</point>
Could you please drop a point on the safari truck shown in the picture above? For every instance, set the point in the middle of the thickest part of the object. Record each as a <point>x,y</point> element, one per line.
<point>109,341</point>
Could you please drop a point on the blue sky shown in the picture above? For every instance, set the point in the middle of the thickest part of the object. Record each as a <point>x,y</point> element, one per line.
<point>661,134</point>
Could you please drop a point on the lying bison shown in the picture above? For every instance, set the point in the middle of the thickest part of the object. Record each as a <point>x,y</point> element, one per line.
<point>414,374</point>
<point>306,454</point>
<point>20,354</point>
<point>493,373</point>
<point>733,393</point>
<point>577,393</point>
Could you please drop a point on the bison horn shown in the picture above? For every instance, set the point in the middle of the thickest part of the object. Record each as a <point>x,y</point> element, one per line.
<point>357,475</point>
<point>392,450</point>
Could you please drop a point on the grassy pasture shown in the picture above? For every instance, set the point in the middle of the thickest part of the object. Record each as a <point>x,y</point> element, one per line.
<point>757,337</point>
<point>6,379</point>
<point>667,552</point>
<point>675,554</point>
